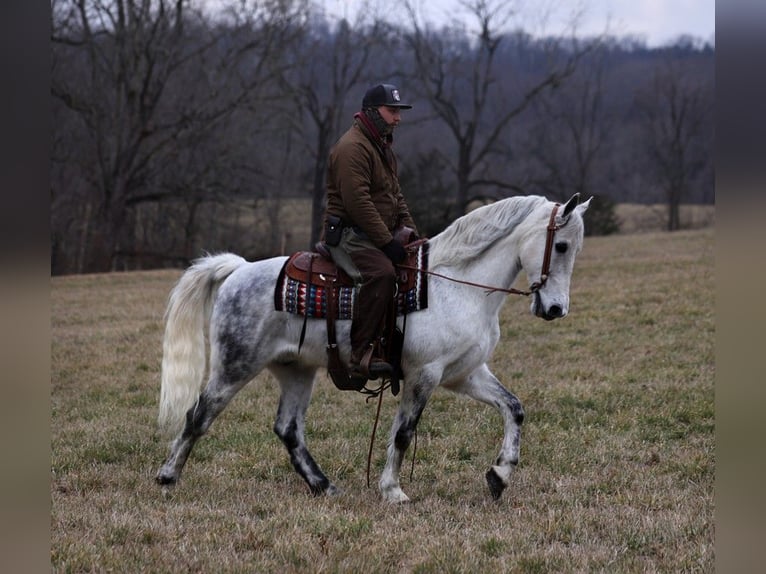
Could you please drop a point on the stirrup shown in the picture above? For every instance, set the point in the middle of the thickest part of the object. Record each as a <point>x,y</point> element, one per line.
<point>371,368</point>
<point>376,370</point>
<point>374,367</point>
<point>379,369</point>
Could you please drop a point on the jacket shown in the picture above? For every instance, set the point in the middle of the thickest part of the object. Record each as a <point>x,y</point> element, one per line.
<point>363,187</point>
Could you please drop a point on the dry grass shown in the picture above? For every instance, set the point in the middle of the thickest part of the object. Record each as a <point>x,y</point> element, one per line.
<point>640,218</point>
<point>617,464</point>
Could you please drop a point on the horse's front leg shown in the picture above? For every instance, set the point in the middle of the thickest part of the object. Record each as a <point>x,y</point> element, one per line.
<point>483,386</point>
<point>415,395</point>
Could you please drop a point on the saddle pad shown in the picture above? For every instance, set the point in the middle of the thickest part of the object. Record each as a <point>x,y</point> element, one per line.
<point>293,295</point>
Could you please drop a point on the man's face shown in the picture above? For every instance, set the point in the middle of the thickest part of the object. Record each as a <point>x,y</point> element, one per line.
<point>391,115</point>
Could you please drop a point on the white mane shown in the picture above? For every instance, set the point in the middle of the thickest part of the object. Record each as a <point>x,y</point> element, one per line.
<point>469,235</point>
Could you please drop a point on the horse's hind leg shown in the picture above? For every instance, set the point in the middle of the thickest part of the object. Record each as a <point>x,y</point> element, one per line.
<point>483,386</point>
<point>211,402</point>
<point>297,384</point>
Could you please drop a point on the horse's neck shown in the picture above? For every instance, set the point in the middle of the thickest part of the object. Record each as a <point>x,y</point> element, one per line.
<point>496,267</point>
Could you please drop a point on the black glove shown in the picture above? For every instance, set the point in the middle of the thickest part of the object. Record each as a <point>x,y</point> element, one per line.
<point>394,251</point>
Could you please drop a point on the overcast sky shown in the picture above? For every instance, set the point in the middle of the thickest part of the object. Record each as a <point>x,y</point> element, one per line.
<point>656,21</point>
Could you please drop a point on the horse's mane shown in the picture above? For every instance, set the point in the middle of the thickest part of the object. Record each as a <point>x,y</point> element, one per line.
<point>471,234</point>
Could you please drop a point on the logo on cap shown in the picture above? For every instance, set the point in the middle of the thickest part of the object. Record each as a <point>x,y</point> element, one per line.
<point>395,95</point>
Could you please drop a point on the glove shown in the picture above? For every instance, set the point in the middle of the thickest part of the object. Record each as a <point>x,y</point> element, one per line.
<point>394,251</point>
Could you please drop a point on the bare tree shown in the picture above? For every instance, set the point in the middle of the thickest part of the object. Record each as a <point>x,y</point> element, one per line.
<point>677,108</point>
<point>569,134</point>
<point>142,78</point>
<point>460,78</point>
<point>566,145</point>
<point>176,130</point>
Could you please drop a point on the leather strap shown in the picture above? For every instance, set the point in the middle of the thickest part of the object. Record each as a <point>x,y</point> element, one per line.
<point>546,270</point>
<point>332,342</point>
<point>335,368</point>
<point>308,302</point>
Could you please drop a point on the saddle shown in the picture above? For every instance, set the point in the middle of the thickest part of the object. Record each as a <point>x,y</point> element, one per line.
<point>312,285</point>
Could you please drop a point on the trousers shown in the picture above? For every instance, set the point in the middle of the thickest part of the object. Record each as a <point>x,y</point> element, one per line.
<point>375,278</point>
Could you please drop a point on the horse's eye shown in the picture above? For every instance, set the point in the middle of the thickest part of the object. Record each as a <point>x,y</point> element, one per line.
<point>561,247</point>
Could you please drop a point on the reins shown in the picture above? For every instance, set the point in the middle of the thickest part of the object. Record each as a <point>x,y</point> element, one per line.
<point>536,286</point>
<point>489,288</point>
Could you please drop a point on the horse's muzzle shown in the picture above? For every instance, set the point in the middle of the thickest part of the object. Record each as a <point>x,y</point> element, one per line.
<point>549,314</point>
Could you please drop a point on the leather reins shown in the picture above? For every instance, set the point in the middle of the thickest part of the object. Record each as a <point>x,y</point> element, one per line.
<point>536,286</point>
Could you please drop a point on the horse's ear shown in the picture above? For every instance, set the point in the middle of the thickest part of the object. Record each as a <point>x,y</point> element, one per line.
<point>570,205</point>
<point>574,205</point>
<point>584,206</point>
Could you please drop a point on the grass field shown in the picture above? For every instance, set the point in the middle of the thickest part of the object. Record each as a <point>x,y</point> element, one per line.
<point>617,459</point>
<point>640,218</point>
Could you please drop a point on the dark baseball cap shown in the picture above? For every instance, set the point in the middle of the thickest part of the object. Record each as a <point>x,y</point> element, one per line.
<point>383,95</point>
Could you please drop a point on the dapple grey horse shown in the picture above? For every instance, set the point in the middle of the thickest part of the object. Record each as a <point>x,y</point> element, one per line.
<point>225,305</point>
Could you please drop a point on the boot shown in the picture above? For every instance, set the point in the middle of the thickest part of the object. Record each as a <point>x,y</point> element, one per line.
<point>374,297</point>
<point>379,368</point>
<point>369,367</point>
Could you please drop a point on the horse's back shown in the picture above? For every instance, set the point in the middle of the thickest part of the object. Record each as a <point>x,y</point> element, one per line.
<point>255,273</point>
<point>250,288</point>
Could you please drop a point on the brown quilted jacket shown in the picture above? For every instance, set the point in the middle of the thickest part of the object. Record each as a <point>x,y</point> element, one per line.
<point>363,187</point>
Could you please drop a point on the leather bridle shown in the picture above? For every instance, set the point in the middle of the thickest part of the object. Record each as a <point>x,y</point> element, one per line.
<point>546,270</point>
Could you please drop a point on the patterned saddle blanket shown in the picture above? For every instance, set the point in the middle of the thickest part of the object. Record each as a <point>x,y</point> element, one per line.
<point>306,277</point>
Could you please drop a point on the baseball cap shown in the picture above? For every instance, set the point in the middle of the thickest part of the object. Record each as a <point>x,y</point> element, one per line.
<point>383,95</point>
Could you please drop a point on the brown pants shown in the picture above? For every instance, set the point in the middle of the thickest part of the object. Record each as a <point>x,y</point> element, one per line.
<point>375,278</point>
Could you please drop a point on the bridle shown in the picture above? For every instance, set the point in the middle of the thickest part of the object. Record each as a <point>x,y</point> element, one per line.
<point>546,270</point>
<point>534,288</point>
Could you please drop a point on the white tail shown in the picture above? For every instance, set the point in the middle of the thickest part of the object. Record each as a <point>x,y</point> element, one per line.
<point>184,353</point>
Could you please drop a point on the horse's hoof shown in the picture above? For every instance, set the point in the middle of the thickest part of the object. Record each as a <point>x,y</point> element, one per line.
<point>395,496</point>
<point>165,480</point>
<point>495,483</point>
<point>321,490</point>
<point>333,490</point>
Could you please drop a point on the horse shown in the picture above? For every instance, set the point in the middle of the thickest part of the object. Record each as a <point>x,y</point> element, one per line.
<point>224,305</point>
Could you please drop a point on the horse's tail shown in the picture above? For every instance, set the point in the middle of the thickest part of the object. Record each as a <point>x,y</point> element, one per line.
<point>184,357</point>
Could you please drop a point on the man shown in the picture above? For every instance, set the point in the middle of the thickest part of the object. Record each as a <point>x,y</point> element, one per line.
<point>364,206</point>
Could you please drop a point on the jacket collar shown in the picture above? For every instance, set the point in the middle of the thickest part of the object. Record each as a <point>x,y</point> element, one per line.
<point>372,132</point>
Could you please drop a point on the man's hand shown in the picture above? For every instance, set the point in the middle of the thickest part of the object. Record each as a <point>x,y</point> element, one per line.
<point>394,251</point>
